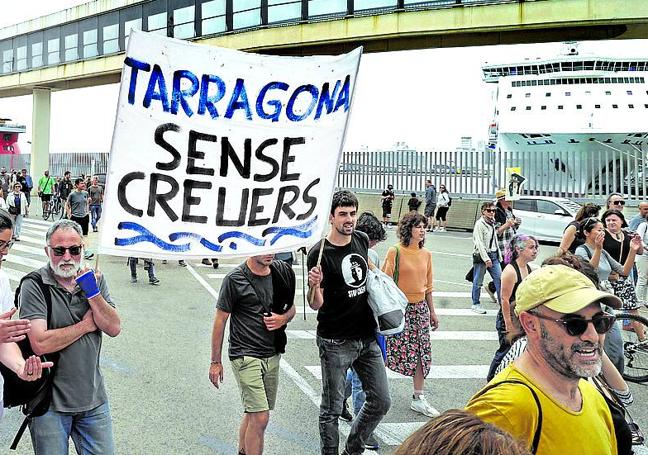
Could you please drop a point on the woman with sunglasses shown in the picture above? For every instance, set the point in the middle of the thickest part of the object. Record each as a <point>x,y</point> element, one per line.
<point>572,238</point>
<point>519,252</point>
<point>592,251</point>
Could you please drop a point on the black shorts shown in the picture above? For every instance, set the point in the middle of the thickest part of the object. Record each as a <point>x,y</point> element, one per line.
<point>387,211</point>
<point>83,222</point>
<point>441,213</point>
<point>46,197</point>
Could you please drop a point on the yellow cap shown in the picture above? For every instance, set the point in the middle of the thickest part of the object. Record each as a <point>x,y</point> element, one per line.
<point>560,288</point>
<point>500,194</point>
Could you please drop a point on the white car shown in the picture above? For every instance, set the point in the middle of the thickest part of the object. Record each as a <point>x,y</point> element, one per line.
<point>545,217</point>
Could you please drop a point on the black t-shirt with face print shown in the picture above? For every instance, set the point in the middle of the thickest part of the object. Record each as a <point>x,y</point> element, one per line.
<point>345,313</point>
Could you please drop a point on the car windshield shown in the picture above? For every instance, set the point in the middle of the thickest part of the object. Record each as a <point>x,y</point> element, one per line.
<point>571,205</point>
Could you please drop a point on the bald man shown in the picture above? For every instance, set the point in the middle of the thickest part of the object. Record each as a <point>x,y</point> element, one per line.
<point>639,217</point>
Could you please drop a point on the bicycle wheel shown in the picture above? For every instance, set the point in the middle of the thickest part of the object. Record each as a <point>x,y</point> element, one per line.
<point>635,349</point>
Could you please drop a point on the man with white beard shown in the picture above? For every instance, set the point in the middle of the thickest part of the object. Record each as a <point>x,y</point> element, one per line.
<point>543,398</point>
<point>81,311</point>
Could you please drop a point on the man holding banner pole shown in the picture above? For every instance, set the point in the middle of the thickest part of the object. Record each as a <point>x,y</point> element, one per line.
<point>346,328</point>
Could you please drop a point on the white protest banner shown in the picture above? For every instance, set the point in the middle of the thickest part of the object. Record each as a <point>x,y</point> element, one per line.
<point>221,153</point>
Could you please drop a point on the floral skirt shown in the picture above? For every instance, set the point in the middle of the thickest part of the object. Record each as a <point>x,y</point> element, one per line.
<point>412,346</point>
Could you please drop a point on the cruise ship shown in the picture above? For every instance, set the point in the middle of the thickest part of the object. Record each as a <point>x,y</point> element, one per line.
<point>9,137</point>
<point>574,123</point>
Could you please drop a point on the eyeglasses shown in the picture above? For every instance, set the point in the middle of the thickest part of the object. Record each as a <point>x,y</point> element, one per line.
<point>489,210</point>
<point>576,326</point>
<point>6,245</point>
<point>618,202</point>
<point>74,250</point>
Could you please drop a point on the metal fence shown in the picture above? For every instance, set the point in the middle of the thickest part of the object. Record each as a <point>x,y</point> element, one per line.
<point>479,174</point>
<point>76,163</point>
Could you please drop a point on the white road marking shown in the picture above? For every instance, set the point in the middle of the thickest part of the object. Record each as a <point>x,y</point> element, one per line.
<point>436,372</point>
<point>31,263</point>
<point>14,275</point>
<point>394,434</point>
<point>202,281</point>
<point>35,240</point>
<point>28,249</point>
<point>462,312</point>
<point>456,335</point>
<point>37,221</point>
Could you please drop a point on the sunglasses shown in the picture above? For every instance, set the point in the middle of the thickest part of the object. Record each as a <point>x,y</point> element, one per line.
<point>489,210</point>
<point>576,326</point>
<point>74,250</point>
<point>6,245</point>
<point>618,202</point>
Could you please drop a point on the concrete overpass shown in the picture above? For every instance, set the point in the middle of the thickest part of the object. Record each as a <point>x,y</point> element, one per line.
<point>83,46</point>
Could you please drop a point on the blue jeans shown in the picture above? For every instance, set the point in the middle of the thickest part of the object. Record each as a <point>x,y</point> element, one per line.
<point>336,357</point>
<point>91,432</point>
<point>95,214</point>
<point>613,346</point>
<point>353,389</point>
<point>479,270</point>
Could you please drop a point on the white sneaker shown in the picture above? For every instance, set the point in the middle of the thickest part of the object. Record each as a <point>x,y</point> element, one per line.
<point>421,406</point>
<point>442,229</point>
<point>490,293</point>
<point>477,309</point>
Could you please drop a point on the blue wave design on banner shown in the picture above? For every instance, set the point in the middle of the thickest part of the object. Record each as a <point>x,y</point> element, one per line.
<point>300,231</point>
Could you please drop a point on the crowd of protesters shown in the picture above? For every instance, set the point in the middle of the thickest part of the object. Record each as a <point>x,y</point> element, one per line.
<point>551,382</point>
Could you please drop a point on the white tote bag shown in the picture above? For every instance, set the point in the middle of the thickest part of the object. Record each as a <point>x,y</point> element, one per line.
<point>387,302</point>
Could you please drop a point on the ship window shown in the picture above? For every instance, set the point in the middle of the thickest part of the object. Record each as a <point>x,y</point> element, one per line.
<point>528,108</point>
<point>597,106</point>
<point>629,92</point>
<point>509,96</point>
<point>567,93</point>
<point>631,106</point>
<point>543,108</point>
<point>527,95</point>
<point>513,108</point>
<point>560,106</point>
<point>646,106</point>
<point>626,80</point>
<point>615,106</point>
<point>579,106</point>
<point>607,80</point>
<point>548,94</point>
<point>534,83</point>
<point>607,92</point>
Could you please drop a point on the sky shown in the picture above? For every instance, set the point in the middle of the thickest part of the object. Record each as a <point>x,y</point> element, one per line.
<point>428,99</point>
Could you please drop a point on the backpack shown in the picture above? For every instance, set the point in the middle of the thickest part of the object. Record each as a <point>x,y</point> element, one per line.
<point>33,397</point>
<point>449,201</point>
<point>386,300</point>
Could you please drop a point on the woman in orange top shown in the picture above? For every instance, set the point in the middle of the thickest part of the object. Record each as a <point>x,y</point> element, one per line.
<point>409,353</point>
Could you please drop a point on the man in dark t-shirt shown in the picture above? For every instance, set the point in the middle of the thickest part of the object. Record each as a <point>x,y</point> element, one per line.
<point>346,328</point>
<point>387,199</point>
<point>257,297</point>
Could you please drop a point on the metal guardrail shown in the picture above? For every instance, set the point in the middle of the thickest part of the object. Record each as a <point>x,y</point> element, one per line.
<point>588,175</point>
<point>76,163</point>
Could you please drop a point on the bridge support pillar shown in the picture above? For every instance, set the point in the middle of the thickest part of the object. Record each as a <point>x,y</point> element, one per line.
<point>41,107</point>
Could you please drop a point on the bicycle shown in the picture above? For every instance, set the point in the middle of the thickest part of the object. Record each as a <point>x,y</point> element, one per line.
<point>55,208</point>
<point>635,350</point>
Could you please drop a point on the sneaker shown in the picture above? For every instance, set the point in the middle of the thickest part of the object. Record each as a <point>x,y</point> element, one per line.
<point>371,443</point>
<point>154,281</point>
<point>215,263</point>
<point>133,279</point>
<point>490,293</point>
<point>421,406</point>
<point>478,309</point>
<point>164,261</point>
<point>205,262</point>
<point>182,263</point>
<point>346,415</point>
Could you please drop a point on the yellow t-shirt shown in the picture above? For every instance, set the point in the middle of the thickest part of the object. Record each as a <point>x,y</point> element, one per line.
<point>414,270</point>
<point>512,408</point>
